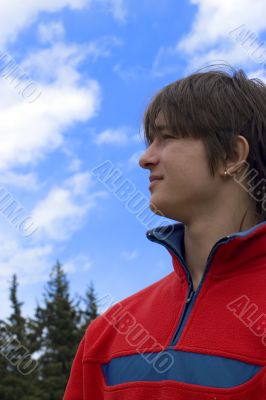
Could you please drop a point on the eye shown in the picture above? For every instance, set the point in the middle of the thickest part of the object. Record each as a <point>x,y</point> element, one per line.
<point>168,137</point>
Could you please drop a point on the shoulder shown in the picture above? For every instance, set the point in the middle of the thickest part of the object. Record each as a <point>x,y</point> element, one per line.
<point>150,293</point>
<point>134,308</point>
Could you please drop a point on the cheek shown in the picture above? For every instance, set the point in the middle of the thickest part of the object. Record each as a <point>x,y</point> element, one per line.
<point>188,170</point>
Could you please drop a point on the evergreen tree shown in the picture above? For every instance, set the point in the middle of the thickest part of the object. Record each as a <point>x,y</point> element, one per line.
<point>58,319</point>
<point>52,336</point>
<point>90,310</point>
<point>4,373</point>
<point>16,320</point>
<point>20,371</point>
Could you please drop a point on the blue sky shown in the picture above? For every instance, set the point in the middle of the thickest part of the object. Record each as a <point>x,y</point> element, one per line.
<point>96,64</point>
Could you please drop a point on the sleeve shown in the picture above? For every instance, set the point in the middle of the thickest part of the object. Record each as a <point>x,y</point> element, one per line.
<point>74,389</point>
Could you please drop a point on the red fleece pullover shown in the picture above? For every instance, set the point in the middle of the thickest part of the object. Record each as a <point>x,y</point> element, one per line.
<point>171,342</point>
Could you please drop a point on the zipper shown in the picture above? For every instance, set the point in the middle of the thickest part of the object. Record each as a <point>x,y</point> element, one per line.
<point>178,331</point>
<point>192,295</point>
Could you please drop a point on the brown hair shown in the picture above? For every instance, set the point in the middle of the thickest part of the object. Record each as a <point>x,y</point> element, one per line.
<point>215,106</point>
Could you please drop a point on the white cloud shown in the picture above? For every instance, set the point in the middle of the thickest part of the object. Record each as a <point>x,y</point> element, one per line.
<point>134,159</point>
<point>118,136</point>
<point>60,62</point>
<point>79,183</point>
<point>32,264</point>
<point>131,73</point>
<point>50,32</point>
<point>216,18</point>
<point>118,9</point>
<point>115,7</point>
<point>75,164</point>
<point>210,39</point>
<point>129,255</point>
<point>58,215</point>
<point>102,46</point>
<point>66,98</point>
<point>23,261</point>
<point>28,181</point>
<point>79,263</point>
<point>131,163</point>
<point>29,131</point>
<point>63,211</point>
<point>260,74</point>
<point>37,128</point>
<point>17,14</point>
<point>166,62</point>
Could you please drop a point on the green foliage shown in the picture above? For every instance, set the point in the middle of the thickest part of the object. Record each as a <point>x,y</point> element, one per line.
<point>90,309</point>
<point>17,381</point>
<point>49,339</point>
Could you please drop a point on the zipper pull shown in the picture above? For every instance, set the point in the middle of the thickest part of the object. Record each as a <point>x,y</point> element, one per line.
<point>191,294</point>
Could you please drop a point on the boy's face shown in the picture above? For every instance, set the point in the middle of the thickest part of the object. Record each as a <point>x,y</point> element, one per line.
<point>187,187</point>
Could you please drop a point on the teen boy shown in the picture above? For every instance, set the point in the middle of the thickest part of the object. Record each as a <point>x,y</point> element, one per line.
<point>200,332</point>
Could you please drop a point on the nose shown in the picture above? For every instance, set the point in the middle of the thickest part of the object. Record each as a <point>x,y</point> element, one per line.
<point>148,158</point>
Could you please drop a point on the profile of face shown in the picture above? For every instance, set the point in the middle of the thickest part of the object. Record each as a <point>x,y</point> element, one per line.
<point>186,187</point>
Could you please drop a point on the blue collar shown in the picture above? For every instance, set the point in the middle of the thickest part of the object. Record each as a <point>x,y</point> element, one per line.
<point>172,237</point>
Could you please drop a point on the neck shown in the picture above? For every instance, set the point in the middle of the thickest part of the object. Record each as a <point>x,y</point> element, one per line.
<point>201,235</point>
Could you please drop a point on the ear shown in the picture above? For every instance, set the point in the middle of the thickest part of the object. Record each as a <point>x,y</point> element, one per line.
<point>239,156</point>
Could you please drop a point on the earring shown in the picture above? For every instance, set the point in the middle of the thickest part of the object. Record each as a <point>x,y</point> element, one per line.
<point>225,172</point>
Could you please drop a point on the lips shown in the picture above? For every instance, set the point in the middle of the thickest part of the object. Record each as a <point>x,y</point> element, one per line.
<point>155,177</point>
<point>154,181</point>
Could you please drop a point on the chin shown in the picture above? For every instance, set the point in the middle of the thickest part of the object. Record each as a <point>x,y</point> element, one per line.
<point>157,208</point>
<point>166,210</point>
